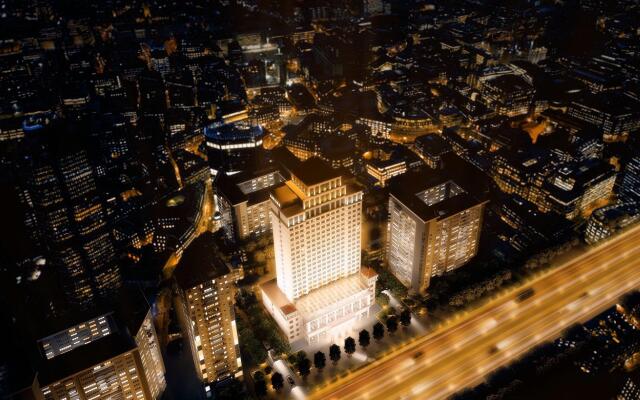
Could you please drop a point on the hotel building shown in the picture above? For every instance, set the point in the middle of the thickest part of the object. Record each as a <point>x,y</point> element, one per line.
<point>321,290</point>
<point>205,287</point>
<point>434,227</point>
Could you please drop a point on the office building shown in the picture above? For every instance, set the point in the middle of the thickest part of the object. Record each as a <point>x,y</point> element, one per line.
<point>617,114</point>
<point>61,181</point>
<point>629,189</point>
<point>76,336</point>
<point>115,354</point>
<point>508,94</point>
<point>431,148</point>
<point>434,227</point>
<point>320,290</point>
<point>606,221</point>
<point>577,189</point>
<point>105,369</point>
<point>244,203</point>
<point>233,147</point>
<point>523,173</point>
<point>533,228</point>
<point>205,287</point>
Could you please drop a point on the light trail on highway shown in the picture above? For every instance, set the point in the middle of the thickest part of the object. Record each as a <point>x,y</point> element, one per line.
<point>462,352</point>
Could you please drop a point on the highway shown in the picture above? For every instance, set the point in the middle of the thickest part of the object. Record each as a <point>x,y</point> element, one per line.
<point>465,350</point>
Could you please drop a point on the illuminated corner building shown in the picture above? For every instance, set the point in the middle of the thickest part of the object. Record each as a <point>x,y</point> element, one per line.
<point>508,94</point>
<point>434,227</point>
<point>233,147</point>
<point>576,189</point>
<point>76,336</point>
<point>102,353</point>
<point>205,287</point>
<point>615,113</point>
<point>111,355</point>
<point>383,170</point>
<point>606,221</point>
<point>244,202</point>
<point>389,162</point>
<point>630,186</point>
<point>320,290</point>
<point>68,205</point>
<point>107,368</point>
<point>432,148</point>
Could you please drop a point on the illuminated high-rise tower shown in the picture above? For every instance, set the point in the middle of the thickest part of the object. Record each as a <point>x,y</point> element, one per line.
<point>434,227</point>
<point>62,183</point>
<point>316,220</point>
<point>206,288</point>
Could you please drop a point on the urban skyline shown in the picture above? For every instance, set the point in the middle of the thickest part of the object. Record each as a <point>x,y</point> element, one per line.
<point>320,199</point>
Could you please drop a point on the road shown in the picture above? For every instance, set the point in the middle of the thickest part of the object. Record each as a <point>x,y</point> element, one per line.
<point>163,302</point>
<point>463,351</point>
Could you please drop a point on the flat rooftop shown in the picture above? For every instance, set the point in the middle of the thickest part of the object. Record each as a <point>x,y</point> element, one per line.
<point>273,292</point>
<point>311,171</point>
<point>84,357</point>
<point>230,186</point>
<point>332,293</point>
<point>200,263</point>
<point>408,189</point>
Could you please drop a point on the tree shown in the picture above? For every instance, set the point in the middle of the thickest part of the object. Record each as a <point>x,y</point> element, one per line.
<point>378,331</point>
<point>405,317</point>
<point>277,381</point>
<point>304,367</point>
<point>364,339</point>
<point>319,360</point>
<point>260,386</point>
<point>392,324</point>
<point>349,346</point>
<point>383,299</point>
<point>301,355</point>
<point>230,391</point>
<point>334,353</point>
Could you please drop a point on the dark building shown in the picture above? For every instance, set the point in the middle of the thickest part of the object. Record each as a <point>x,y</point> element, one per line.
<point>432,148</point>
<point>615,113</point>
<point>508,95</point>
<point>62,183</point>
<point>233,147</point>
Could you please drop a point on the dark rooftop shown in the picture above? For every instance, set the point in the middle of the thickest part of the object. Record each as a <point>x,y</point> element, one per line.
<point>227,186</point>
<point>432,145</point>
<point>311,171</point>
<point>200,262</point>
<point>406,188</point>
<point>84,357</point>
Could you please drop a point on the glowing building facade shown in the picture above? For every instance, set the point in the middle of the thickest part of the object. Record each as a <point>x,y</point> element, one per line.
<point>320,289</point>
<point>112,355</point>
<point>244,203</point>
<point>204,304</point>
<point>434,227</point>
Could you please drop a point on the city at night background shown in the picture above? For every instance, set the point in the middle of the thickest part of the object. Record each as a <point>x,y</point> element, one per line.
<point>319,199</point>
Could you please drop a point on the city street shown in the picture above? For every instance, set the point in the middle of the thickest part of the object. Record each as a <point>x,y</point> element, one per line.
<point>463,351</point>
